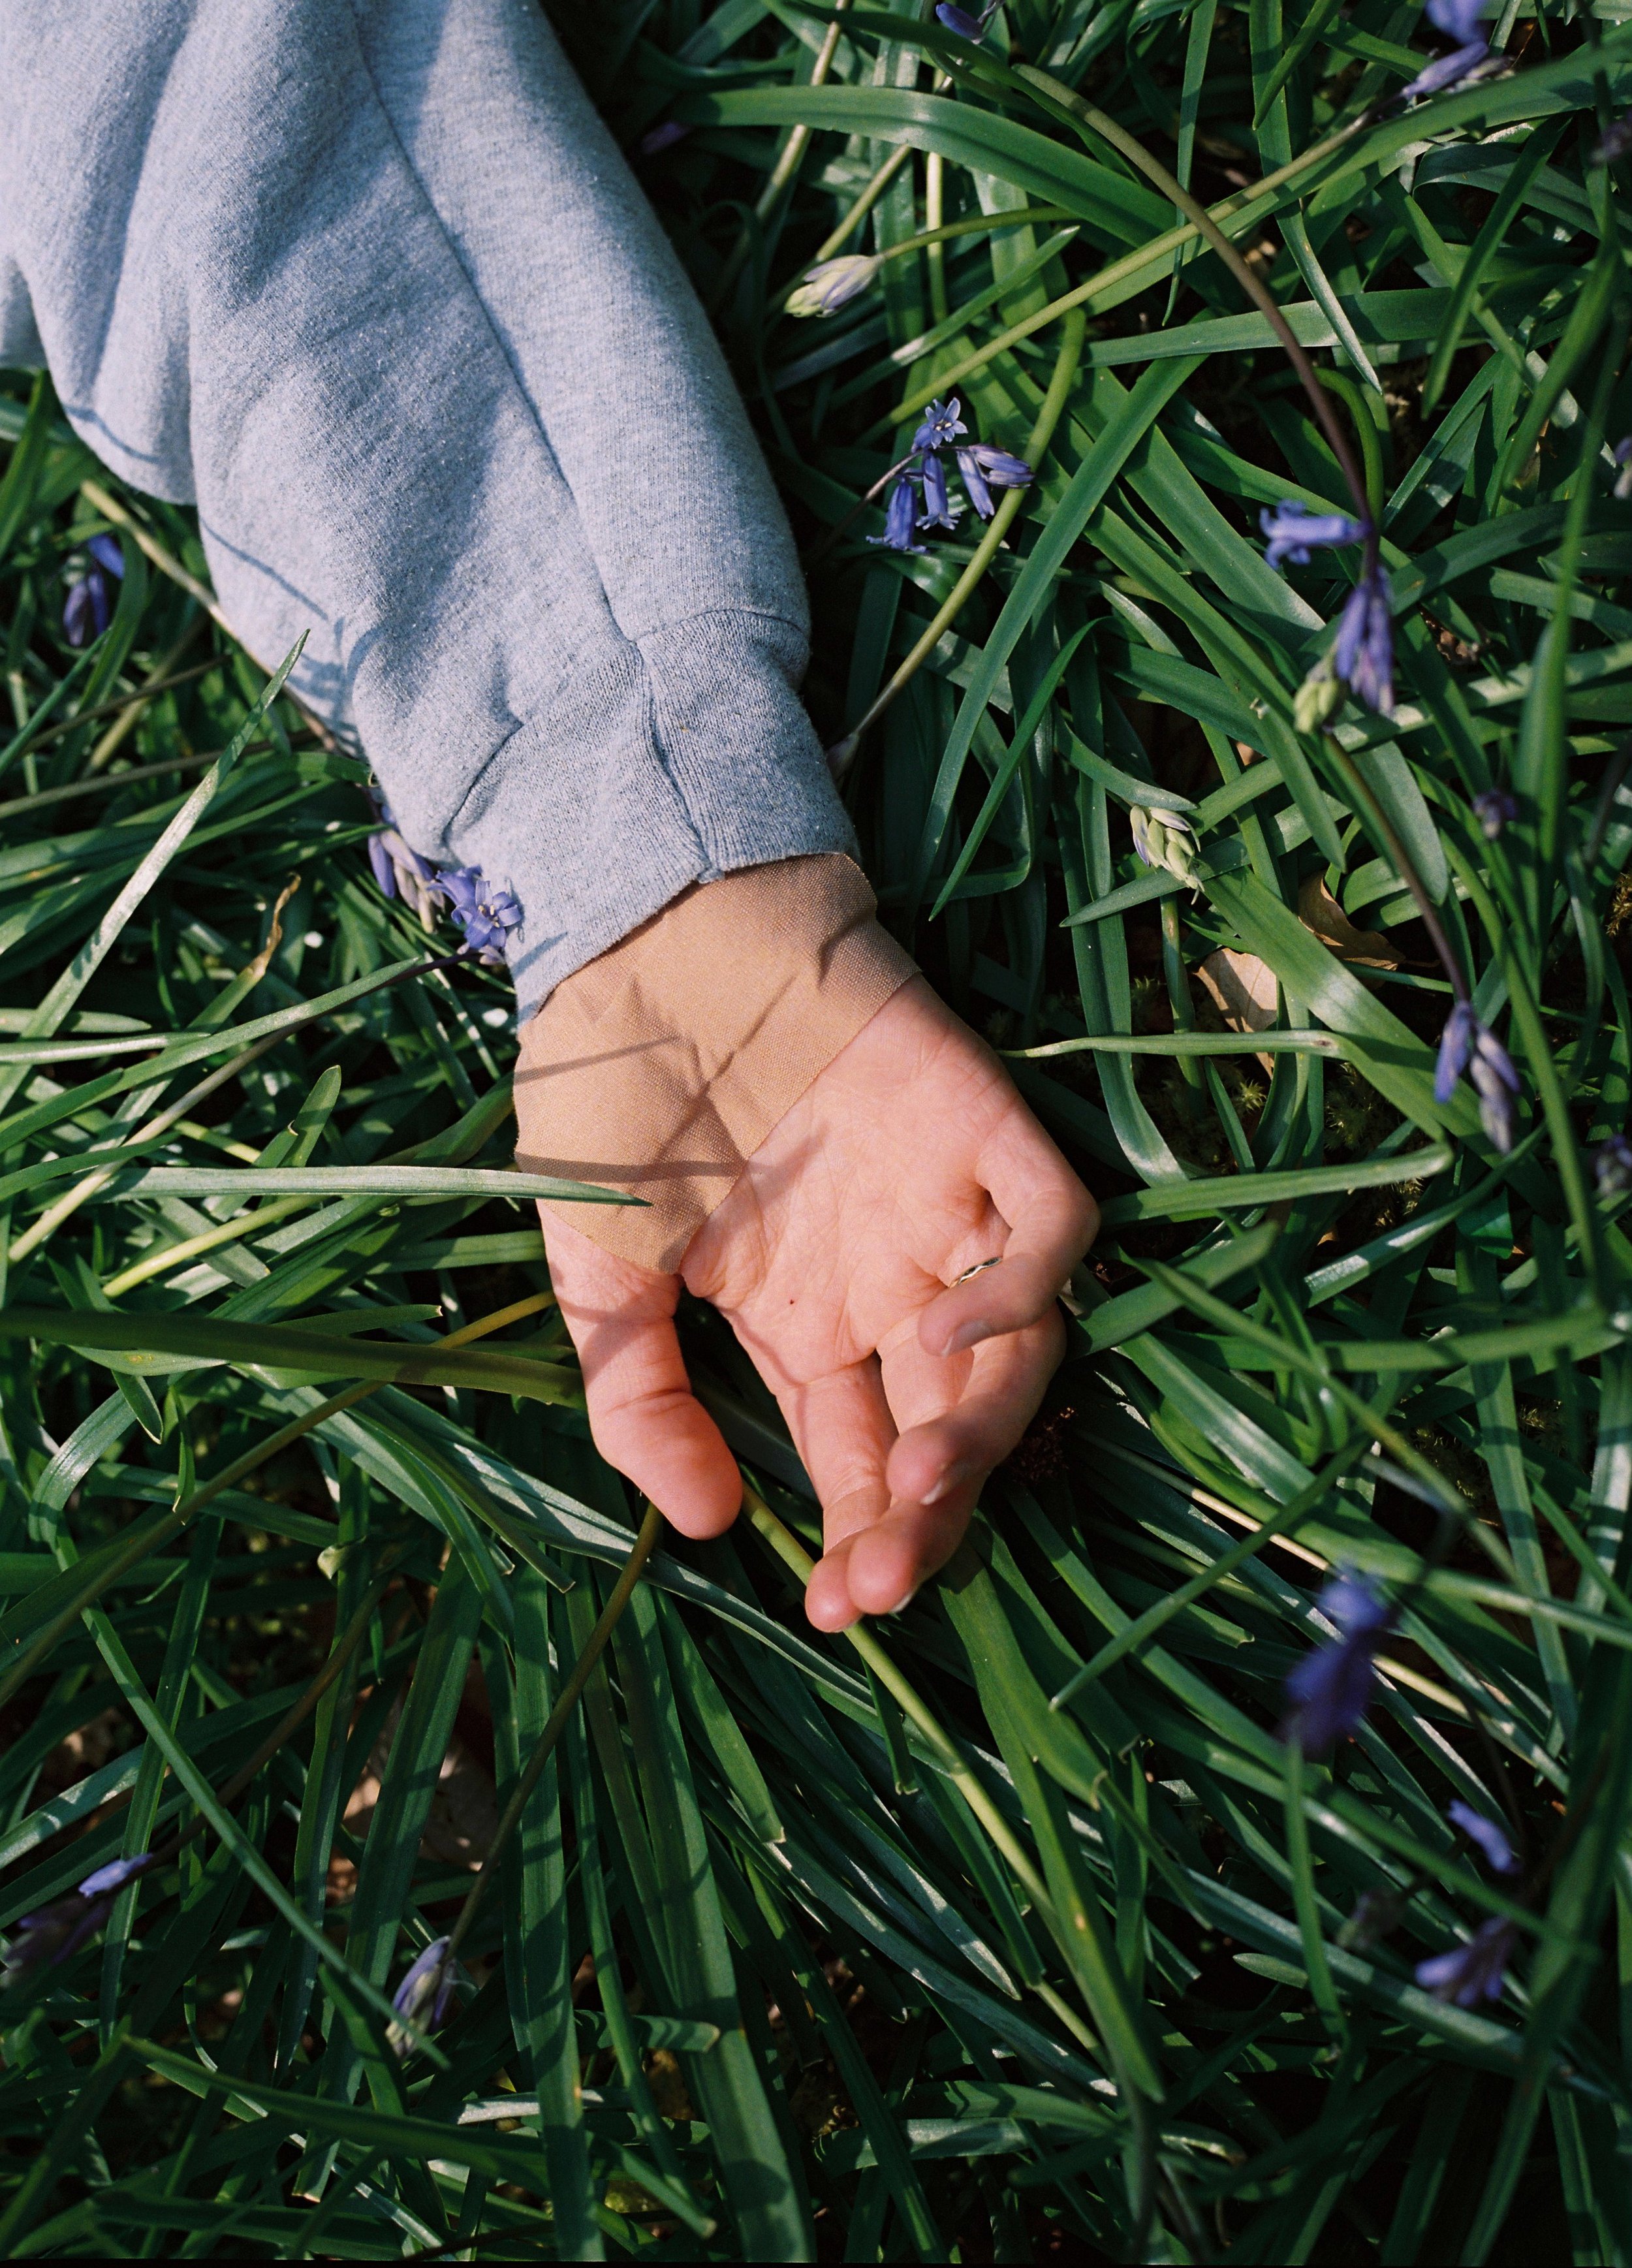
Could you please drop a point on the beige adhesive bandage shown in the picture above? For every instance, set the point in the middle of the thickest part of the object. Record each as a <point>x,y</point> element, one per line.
<point>660,1067</point>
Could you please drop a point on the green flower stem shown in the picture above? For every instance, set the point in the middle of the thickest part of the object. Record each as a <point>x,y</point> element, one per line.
<point>225,1232</point>
<point>842,756</point>
<point>556,1723</point>
<point>783,171</point>
<point>1155,172</point>
<point>1360,790</point>
<point>1305,1900</point>
<point>793,1554</point>
<point>1238,207</point>
<point>99,1570</point>
<point>864,202</point>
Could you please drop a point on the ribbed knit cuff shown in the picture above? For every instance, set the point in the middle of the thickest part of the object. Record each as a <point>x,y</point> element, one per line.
<point>661,1067</point>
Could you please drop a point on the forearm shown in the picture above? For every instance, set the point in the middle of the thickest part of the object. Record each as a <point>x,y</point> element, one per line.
<point>375,290</point>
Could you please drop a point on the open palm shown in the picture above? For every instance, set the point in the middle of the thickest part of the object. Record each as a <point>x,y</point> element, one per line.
<point>835,1258</point>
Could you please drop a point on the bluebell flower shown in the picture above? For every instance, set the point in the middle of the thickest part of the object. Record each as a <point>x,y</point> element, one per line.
<point>1622,452</point>
<point>1494,810</point>
<point>938,511</point>
<point>1473,1972</point>
<point>484,911</point>
<point>983,468</point>
<point>1449,71</point>
<point>900,517</point>
<point>1331,1688</point>
<point>89,607</point>
<point>1458,19</point>
<point>942,424</point>
<point>1467,1046</point>
<point>425,1995</point>
<point>1613,1164</point>
<point>1295,532</point>
<point>399,870</point>
<point>55,1932</point>
<point>1499,1853</point>
<point>1364,656</point>
<point>833,283</point>
<point>1615,143</point>
<point>663,137</point>
<point>966,25</point>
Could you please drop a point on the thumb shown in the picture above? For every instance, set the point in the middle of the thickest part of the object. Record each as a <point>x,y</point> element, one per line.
<point>641,1412</point>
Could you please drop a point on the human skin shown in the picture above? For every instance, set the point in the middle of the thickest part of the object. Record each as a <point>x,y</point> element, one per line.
<point>835,1259</point>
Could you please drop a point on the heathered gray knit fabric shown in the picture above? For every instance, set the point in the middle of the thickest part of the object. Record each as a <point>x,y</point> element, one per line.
<point>369,282</point>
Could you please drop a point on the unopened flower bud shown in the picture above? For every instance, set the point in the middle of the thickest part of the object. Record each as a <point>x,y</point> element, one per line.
<point>1162,838</point>
<point>1319,697</point>
<point>833,283</point>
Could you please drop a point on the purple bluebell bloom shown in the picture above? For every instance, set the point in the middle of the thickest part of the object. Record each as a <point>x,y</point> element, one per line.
<point>942,424</point>
<point>1613,1164</point>
<point>1458,19</point>
<point>1473,1972</point>
<point>484,911</point>
<point>1615,144</point>
<point>55,1932</point>
<point>966,27</point>
<point>1622,452</point>
<point>663,137</point>
<point>1456,1048</point>
<point>984,469</point>
<point>1494,810</point>
<point>1449,71</point>
<point>1467,1046</point>
<point>1364,656</point>
<point>938,511</point>
<point>425,1995</point>
<point>1331,1688</point>
<point>1294,532</point>
<point>399,870</point>
<point>89,607</point>
<point>1498,1851</point>
<point>901,516</point>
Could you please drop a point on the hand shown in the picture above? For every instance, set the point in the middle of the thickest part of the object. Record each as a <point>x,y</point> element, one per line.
<point>835,1260</point>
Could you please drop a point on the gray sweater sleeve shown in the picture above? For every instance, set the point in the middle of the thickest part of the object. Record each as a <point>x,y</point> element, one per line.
<point>369,282</point>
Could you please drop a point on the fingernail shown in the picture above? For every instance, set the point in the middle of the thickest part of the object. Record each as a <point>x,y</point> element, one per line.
<point>953,1477</point>
<point>968,1334</point>
<point>903,1602</point>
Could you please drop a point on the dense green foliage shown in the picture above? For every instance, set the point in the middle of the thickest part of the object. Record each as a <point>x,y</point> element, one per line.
<point>878,1946</point>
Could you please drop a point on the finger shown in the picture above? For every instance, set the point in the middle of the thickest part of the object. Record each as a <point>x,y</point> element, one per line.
<point>841,1426</point>
<point>641,1412</point>
<point>882,1567</point>
<point>1052,1221</point>
<point>955,1448</point>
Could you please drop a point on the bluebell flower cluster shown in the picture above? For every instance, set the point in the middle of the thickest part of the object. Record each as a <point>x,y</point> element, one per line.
<point>55,1932</point>
<point>1623,451</point>
<point>426,1994</point>
<point>663,137</point>
<point>923,476</point>
<point>1330,1689</point>
<point>1466,1047</point>
<point>1494,810</point>
<point>1458,20</point>
<point>1616,144</point>
<point>1362,657</point>
<point>89,607</point>
<point>484,912</point>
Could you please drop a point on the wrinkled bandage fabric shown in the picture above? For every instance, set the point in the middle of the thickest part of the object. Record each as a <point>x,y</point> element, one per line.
<point>659,1068</point>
